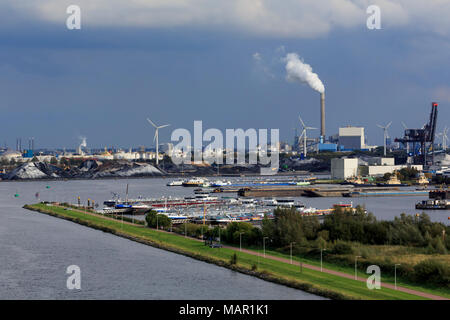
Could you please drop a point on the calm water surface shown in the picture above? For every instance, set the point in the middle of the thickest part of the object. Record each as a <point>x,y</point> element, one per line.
<point>35,250</point>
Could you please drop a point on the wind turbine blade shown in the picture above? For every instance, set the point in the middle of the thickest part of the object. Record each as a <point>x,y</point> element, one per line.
<point>380,126</point>
<point>163,126</point>
<point>311,128</point>
<point>388,125</point>
<point>151,122</point>
<point>404,125</point>
<point>303,124</point>
<point>156,135</point>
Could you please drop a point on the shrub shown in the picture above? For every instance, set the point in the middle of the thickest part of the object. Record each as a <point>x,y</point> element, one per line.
<point>432,271</point>
<point>342,247</point>
<point>154,219</point>
<point>233,259</point>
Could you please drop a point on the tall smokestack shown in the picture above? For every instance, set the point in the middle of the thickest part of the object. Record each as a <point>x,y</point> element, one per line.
<point>298,71</point>
<point>322,115</point>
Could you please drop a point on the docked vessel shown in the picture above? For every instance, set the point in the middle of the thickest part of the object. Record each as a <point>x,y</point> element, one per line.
<point>438,200</point>
<point>175,183</point>
<point>357,182</point>
<point>282,202</point>
<point>433,204</point>
<point>423,180</point>
<point>384,193</point>
<point>220,183</point>
<point>194,182</point>
<point>143,205</point>
<point>392,182</point>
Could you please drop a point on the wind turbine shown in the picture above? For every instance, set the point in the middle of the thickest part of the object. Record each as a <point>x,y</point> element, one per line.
<point>305,128</point>
<point>156,137</point>
<point>385,134</point>
<point>444,138</point>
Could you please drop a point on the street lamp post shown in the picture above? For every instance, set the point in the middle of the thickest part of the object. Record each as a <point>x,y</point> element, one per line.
<point>321,252</point>
<point>395,275</point>
<point>356,274</point>
<point>240,241</point>
<point>291,251</point>
<point>185,229</point>
<point>264,245</point>
<point>157,223</point>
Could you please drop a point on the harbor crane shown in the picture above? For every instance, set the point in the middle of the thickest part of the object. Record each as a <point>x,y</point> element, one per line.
<point>424,137</point>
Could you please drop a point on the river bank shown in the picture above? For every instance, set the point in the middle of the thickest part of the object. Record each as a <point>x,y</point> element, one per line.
<point>313,281</point>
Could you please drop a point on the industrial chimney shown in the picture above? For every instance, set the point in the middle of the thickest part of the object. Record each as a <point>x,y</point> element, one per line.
<point>322,116</point>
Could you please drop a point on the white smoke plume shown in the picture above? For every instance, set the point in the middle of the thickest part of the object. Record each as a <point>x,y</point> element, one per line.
<point>298,71</point>
<point>83,142</point>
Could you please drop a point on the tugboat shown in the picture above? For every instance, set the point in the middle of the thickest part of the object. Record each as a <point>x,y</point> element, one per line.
<point>303,182</point>
<point>423,181</point>
<point>357,182</point>
<point>392,182</point>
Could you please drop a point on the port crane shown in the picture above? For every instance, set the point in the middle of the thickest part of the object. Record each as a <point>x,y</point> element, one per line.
<point>424,137</point>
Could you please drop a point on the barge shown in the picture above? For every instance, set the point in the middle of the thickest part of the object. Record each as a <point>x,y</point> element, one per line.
<point>438,200</point>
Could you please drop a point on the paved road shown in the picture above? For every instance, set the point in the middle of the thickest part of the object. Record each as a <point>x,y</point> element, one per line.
<point>342,274</point>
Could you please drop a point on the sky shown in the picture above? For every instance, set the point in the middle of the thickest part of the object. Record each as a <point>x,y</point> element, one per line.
<point>219,61</point>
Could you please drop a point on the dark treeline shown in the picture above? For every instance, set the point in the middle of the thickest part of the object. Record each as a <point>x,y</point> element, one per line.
<point>359,226</point>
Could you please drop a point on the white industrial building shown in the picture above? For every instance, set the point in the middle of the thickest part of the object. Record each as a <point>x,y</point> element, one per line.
<point>380,161</point>
<point>344,168</point>
<point>380,170</point>
<point>352,138</point>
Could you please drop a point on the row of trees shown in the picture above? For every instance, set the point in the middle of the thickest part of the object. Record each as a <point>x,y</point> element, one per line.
<point>359,226</point>
<point>404,174</point>
<point>290,227</point>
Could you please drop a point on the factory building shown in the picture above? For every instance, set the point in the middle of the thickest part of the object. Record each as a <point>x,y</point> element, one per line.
<point>380,161</point>
<point>344,168</point>
<point>379,166</point>
<point>351,138</point>
<point>375,167</point>
<point>378,171</point>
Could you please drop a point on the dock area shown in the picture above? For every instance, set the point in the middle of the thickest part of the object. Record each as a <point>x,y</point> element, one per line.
<point>278,191</point>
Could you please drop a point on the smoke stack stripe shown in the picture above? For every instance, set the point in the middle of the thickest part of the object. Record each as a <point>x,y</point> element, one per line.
<point>322,114</point>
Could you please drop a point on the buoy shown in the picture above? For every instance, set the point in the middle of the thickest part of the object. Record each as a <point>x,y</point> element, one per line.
<point>48,187</point>
<point>16,195</point>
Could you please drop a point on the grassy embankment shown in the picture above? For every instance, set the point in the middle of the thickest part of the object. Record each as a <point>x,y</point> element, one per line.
<point>312,281</point>
<point>397,255</point>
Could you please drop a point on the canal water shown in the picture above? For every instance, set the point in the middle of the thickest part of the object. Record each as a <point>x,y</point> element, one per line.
<point>36,249</point>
